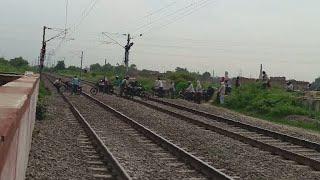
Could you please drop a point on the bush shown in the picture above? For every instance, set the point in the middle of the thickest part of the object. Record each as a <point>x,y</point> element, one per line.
<point>41,110</point>
<point>181,86</point>
<point>274,102</point>
<point>147,83</point>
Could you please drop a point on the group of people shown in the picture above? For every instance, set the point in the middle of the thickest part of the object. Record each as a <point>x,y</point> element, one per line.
<point>105,85</point>
<point>192,93</point>
<point>74,83</point>
<point>226,87</point>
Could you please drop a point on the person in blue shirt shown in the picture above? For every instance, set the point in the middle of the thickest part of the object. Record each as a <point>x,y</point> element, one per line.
<point>75,84</point>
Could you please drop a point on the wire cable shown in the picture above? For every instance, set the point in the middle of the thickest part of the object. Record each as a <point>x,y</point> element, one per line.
<point>66,23</point>
<point>183,15</point>
<point>183,9</point>
<point>104,33</point>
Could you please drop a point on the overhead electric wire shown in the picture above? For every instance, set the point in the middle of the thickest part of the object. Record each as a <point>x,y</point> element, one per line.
<point>185,8</point>
<point>104,33</point>
<point>152,13</point>
<point>84,14</point>
<point>66,22</point>
<point>182,15</point>
<point>159,10</point>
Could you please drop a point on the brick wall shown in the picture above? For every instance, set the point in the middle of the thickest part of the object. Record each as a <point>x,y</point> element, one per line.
<point>17,117</point>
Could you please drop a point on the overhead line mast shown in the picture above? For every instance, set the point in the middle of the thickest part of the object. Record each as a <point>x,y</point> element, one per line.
<point>126,54</point>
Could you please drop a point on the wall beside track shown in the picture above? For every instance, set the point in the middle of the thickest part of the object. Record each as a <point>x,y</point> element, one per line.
<point>18,100</point>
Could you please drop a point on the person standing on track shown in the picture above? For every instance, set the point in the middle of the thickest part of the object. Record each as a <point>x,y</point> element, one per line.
<point>198,87</point>
<point>124,85</point>
<point>117,83</point>
<point>159,87</point>
<point>238,84</point>
<point>227,83</point>
<point>265,80</point>
<point>189,92</point>
<point>58,83</point>
<point>198,92</point>
<point>172,89</point>
<point>222,91</point>
<point>75,85</point>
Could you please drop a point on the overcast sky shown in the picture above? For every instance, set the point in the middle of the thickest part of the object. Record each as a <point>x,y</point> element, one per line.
<point>201,35</point>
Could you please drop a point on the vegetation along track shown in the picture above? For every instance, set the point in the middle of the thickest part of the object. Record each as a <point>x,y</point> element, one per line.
<point>299,150</point>
<point>142,152</point>
<point>102,162</point>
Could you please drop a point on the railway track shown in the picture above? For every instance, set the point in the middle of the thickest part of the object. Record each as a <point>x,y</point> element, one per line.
<point>299,150</point>
<point>101,161</point>
<point>302,151</point>
<point>176,162</point>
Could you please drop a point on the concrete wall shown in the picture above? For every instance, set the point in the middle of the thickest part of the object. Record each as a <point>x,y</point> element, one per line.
<point>5,78</point>
<point>18,100</point>
<point>312,100</point>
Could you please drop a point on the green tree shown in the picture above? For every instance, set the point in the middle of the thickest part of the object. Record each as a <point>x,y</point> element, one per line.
<point>3,61</point>
<point>95,67</point>
<point>206,75</point>
<point>18,62</point>
<point>179,69</point>
<point>133,66</point>
<point>60,65</point>
<point>73,68</point>
<point>107,68</point>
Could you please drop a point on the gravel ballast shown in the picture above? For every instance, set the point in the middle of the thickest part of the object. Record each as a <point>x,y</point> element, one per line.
<point>55,153</point>
<point>140,157</point>
<point>236,158</point>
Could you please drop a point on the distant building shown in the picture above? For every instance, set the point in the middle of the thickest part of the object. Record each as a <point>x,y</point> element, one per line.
<point>278,81</point>
<point>299,85</point>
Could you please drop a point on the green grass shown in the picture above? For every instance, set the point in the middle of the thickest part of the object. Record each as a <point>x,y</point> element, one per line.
<point>271,104</point>
<point>43,92</point>
<point>41,104</point>
<point>7,68</point>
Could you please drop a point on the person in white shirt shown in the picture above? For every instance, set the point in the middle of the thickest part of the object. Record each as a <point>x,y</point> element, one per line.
<point>290,87</point>
<point>172,90</point>
<point>222,91</point>
<point>199,87</point>
<point>159,87</point>
<point>58,83</point>
<point>189,92</point>
<point>190,88</point>
<point>198,93</point>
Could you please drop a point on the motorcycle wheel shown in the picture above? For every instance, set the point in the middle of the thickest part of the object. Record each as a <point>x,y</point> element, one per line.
<point>63,89</point>
<point>94,91</point>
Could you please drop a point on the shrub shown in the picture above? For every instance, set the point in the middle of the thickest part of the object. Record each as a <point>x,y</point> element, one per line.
<point>147,83</point>
<point>41,110</point>
<point>273,102</point>
<point>181,86</point>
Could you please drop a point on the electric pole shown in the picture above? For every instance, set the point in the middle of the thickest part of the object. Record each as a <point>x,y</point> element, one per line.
<point>105,68</point>
<point>44,44</point>
<point>126,54</point>
<point>105,73</point>
<point>43,50</point>
<point>81,64</point>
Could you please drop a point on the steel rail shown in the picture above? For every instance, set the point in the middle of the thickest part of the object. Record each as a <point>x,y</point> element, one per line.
<point>193,161</point>
<point>253,142</point>
<point>109,158</point>
<point>277,135</point>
